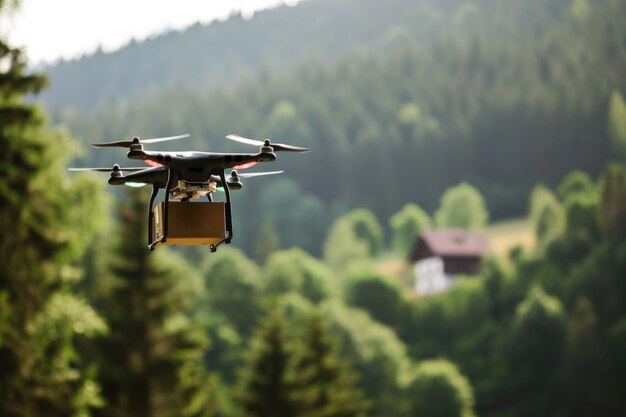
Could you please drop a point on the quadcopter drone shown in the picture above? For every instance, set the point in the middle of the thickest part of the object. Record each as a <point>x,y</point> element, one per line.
<point>187,176</point>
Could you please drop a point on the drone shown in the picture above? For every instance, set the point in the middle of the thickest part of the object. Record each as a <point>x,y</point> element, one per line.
<point>187,176</point>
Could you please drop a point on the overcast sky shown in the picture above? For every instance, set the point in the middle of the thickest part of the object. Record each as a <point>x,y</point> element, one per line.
<point>51,29</point>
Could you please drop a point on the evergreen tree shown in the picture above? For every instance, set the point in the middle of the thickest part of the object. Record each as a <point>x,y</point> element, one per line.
<point>367,229</point>
<point>536,352</point>
<point>342,246</point>
<point>546,214</point>
<point>324,386</point>
<point>406,226</point>
<point>439,390</point>
<point>45,228</point>
<point>232,289</point>
<point>584,363</point>
<point>462,207</point>
<point>152,362</point>
<point>296,270</point>
<point>379,295</point>
<point>613,203</point>
<point>376,354</point>
<point>267,244</point>
<point>576,182</point>
<point>616,124</point>
<point>265,390</point>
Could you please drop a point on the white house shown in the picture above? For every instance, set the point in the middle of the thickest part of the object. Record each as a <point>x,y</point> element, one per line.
<point>441,255</point>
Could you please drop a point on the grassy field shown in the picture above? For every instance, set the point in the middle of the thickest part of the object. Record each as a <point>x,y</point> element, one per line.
<point>507,234</point>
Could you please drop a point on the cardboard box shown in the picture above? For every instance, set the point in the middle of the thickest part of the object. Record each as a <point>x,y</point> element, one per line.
<point>190,223</point>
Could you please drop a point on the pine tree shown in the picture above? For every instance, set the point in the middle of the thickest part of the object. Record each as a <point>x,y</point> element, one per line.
<point>406,226</point>
<point>616,124</point>
<point>584,363</point>
<point>265,390</point>
<point>325,387</point>
<point>152,362</point>
<point>613,203</point>
<point>45,228</point>
<point>267,244</point>
<point>438,389</point>
<point>463,207</point>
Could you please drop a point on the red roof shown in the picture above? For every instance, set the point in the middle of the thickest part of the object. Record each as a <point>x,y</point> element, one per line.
<point>455,242</point>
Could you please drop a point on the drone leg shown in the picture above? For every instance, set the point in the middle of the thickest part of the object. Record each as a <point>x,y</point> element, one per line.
<point>168,189</point>
<point>155,191</point>
<point>228,213</point>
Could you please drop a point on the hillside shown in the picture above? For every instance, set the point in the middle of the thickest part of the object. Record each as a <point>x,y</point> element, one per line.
<point>277,40</point>
<point>402,122</point>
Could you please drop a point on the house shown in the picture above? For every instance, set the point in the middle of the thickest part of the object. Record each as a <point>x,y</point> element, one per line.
<point>441,255</point>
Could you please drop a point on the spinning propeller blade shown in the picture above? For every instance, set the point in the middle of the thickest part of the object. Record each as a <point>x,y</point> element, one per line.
<point>258,174</point>
<point>277,146</point>
<point>133,169</point>
<point>137,140</point>
<point>249,175</point>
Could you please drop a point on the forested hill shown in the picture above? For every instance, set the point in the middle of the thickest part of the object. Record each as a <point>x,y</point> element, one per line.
<point>403,122</point>
<point>276,40</point>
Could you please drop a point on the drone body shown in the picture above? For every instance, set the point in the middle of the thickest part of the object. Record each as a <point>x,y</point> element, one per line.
<point>187,176</point>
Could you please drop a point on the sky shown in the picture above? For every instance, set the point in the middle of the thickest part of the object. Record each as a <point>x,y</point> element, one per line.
<point>54,29</point>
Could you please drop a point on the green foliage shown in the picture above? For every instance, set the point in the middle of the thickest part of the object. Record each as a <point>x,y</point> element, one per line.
<point>454,91</point>
<point>406,225</point>
<point>379,295</point>
<point>342,246</point>
<point>264,388</point>
<point>616,124</point>
<point>267,244</point>
<point>616,362</point>
<point>152,363</point>
<point>414,125</point>
<point>353,237</point>
<point>297,370</point>
<point>295,307</point>
<point>232,288</point>
<point>462,207</point>
<point>288,209</point>
<point>580,9</point>
<point>367,229</point>
<point>224,355</point>
<point>46,222</point>
<point>439,390</point>
<point>326,388</point>
<point>295,270</point>
<point>536,352</point>
<point>584,362</point>
<point>581,216</point>
<point>496,79</point>
<point>378,357</point>
<point>613,203</point>
<point>546,214</point>
<point>576,182</point>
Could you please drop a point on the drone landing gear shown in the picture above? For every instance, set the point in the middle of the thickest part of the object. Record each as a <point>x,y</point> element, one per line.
<point>227,211</point>
<point>201,223</point>
<point>151,242</point>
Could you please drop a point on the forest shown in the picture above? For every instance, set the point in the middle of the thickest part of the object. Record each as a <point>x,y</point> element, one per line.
<point>431,114</point>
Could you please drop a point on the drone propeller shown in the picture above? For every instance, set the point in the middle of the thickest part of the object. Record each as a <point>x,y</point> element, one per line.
<point>257,174</point>
<point>137,141</point>
<point>115,168</point>
<point>234,177</point>
<point>276,146</point>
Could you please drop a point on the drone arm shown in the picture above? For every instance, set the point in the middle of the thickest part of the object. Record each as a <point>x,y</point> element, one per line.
<point>234,160</point>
